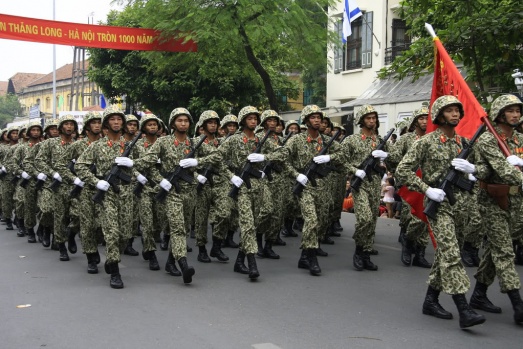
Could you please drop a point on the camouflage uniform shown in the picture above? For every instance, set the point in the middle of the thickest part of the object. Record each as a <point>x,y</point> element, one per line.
<point>8,187</point>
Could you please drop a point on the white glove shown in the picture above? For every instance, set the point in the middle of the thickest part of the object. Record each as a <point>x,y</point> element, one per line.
<point>463,165</point>
<point>141,178</point>
<point>256,157</point>
<point>78,182</point>
<point>262,174</point>
<point>302,179</point>
<point>159,161</point>
<point>515,160</point>
<point>380,154</point>
<point>4,170</point>
<point>42,177</point>
<point>435,194</point>
<point>472,178</point>
<point>123,161</point>
<point>321,159</point>
<point>73,161</point>
<point>201,179</point>
<point>360,173</point>
<point>190,162</point>
<point>165,185</point>
<point>57,176</point>
<point>25,175</point>
<point>103,185</point>
<point>237,181</point>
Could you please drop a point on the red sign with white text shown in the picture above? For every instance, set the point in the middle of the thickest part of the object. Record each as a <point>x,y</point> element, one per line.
<point>88,35</point>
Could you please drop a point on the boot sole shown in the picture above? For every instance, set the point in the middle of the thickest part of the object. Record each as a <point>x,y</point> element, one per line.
<point>444,317</point>
<point>478,321</point>
<point>92,271</point>
<point>188,274</point>
<point>116,286</point>
<point>244,272</point>
<point>488,310</point>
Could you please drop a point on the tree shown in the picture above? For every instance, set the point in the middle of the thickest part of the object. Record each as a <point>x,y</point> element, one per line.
<point>9,108</point>
<point>483,35</point>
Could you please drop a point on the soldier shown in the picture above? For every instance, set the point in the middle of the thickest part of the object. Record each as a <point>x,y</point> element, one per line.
<point>434,154</point>
<point>236,150</point>
<point>14,163</point>
<point>171,151</point>
<point>303,148</point>
<point>103,154</point>
<point>291,206</point>
<point>92,129</point>
<point>367,198</point>
<point>338,181</point>
<point>49,154</point>
<point>9,186</point>
<point>415,233</point>
<point>499,201</point>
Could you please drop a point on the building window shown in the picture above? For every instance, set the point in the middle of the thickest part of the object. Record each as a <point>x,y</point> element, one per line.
<point>400,40</point>
<point>307,96</point>
<point>357,52</point>
<point>38,101</point>
<point>48,103</point>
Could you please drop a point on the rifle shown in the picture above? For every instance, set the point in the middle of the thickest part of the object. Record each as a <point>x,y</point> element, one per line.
<point>248,170</point>
<point>454,177</point>
<point>371,164</point>
<point>180,173</point>
<point>314,170</point>
<point>78,189</point>
<point>116,173</point>
<point>270,165</point>
<point>208,172</point>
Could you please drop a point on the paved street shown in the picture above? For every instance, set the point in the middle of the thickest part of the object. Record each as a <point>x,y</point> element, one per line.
<point>286,308</point>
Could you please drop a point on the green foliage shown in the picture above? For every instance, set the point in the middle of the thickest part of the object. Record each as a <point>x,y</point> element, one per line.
<point>9,108</point>
<point>483,35</point>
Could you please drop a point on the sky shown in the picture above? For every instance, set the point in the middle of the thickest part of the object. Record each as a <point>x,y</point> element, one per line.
<point>32,57</point>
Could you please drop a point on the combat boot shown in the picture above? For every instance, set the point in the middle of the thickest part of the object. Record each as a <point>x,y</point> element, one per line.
<point>466,257</point>
<point>192,233</point>
<point>164,245</point>
<point>54,244</point>
<point>153,261</point>
<point>188,248</point>
<point>403,231</point>
<point>9,224</point>
<point>467,316</point>
<point>314,267</point>
<point>320,252</point>
<point>216,250</point>
<point>64,257</point>
<point>129,250</point>
<point>253,268</point>
<point>333,231</point>
<point>71,242</point>
<point>357,259</point>
<point>202,255</point>
<point>479,299</point>
<point>170,266</point>
<point>259,243</point>
<point>116,278</point>
<point>229,241</point>
<point>298,224</point>
<point>40,233</point>
<point>187,271</point>
<point>279,241</point>
<point>303,263</point>
<point>407,249</point>
<point>367,263</point>
<point>21,228</point>
<point>419,258</point>
<point>239,265</point>
<point>92,268</point>
<point>287,230</point>
<point>517,305</point>
<point>432,307</point>
<point>31,236</point>
<point>327,239</point>
<point>46,238</point>
<point>96,257</point>
<point>268,251</point>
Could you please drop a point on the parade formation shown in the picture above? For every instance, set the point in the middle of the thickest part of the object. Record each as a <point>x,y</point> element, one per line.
<point>122,178</point>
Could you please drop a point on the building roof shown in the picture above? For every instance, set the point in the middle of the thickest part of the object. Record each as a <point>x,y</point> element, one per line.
<point>63,73</point>
<point>93,108</point>
<point>391,91</point>
<point>3,88</point>
<point>21,80</point>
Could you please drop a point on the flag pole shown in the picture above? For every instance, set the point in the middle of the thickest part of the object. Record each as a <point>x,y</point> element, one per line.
<point>430,30</point>
<point>54,67</point>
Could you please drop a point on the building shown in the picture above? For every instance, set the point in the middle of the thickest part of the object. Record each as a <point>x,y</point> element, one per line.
<point>378,36</point>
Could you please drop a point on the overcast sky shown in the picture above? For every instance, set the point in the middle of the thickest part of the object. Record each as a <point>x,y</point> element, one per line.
<point>32,57</point>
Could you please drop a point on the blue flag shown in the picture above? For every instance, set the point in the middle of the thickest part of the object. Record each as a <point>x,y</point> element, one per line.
<point>102,101</point>
<point>350,13</point>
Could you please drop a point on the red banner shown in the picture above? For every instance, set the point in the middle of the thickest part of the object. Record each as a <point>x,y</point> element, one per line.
<point>448,81</point>
<point>88,35</point>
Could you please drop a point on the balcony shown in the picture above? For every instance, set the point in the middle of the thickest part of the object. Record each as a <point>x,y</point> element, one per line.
<point>392,52</point>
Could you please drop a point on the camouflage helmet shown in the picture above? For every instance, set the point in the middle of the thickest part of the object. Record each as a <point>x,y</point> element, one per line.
<point>269,114</point>
<point>400,125</point>
<point>336,125</point>
<point>309,110</point>
<point>2,132</point>
<point>303,127</point>
<point>91,116</point>
<point>177,112</point>
<point>443,102</point>
<point>423,111</point>
<point>500,103</point>
<point>64,119</point>
<point>208,115</point>
<point>365,109</point>
<point>112,110</point>
<point>11,129</point>
<point>289,123</point>
<point>227,119</point>
<point>149,117</point>
<point>131,117</point>
<point>163,127</point>
<point>248,110</point>
<point>258,129</point>
<point>22,128</point>
<point>34,124</point>
<point>50,123</point>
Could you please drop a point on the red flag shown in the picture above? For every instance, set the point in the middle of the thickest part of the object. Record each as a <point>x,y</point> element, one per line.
<point>448,81</point>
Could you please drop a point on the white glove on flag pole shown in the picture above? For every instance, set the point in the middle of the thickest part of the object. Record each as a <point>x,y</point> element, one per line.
<point>351,11</point>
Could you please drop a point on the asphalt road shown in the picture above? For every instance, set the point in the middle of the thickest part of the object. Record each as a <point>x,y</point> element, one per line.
<point>286,308</point>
